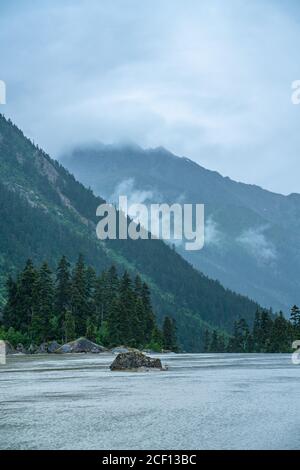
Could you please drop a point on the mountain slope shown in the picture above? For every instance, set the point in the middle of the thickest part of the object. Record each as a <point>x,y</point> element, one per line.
<point>45,213</point>
<point>252,242</point>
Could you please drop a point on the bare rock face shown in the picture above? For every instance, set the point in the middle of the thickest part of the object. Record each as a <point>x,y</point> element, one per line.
<point>81,345</point>
<point>135,360</point>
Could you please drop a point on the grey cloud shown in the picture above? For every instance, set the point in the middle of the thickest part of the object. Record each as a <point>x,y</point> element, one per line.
<point>209,80</point>
<point>257,244</point>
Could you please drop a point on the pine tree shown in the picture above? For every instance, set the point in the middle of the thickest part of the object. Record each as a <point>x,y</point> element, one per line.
<point>280,337</point>
<point>69,327</point>
<point>114,321</point>
<point>295,319</point>
<point>43,307</point>
<point>214,342</point>
<point>241,340</point>
<point>26,296</point>
<point>99,299</point>
<point>169,334</point>
<point>91,329</point>
<point>221,343</point>
<point>127,309</point>
<point>79,296</point>
<point>138,323</point>
<point>149,318</point>
<point>266,328</point>
<point>62,291</point>
<point>156,343</point>
<point>10,311</point>
<point>206,341</point>
<point>257,333</point>
<point>107,287</point>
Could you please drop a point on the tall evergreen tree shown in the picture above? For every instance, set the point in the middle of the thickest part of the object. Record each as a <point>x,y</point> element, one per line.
<point>107,288</point>
<point>280,337</point>
<point>127,309</point>
<point>115,334</point>
<point>242,340</point>
<point>91,329</point>
<point>169,334</point>
<point>10,311</point>
<point>206,341</point>
<point>62,291</point>
<point>79,296</point>
<point>295,319</point>
<point>26,296</point>
<point>214,342</point>
<point>43,305</point>
<point>149,321</point>
<point>69,327</point>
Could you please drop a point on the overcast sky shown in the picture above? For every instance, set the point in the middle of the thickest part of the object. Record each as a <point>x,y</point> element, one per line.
<point>210,80</point>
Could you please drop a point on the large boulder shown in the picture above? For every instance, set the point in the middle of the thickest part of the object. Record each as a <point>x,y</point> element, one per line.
<point>52,347</point>
<point>20,349</point>
<point>33,349</point>
<point>81,345</point>
<point>48,347</point>
<point>9,349</point>
<point>135,360</point>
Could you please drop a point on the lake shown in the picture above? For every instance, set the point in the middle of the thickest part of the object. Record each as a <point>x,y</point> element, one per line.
<point>204,401</point>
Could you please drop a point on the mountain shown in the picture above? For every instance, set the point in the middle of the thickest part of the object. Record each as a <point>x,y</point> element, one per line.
<point>252,242</point>
<point>46,213</point>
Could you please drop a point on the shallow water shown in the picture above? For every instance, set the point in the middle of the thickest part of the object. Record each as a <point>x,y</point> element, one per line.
<point>204,401</point>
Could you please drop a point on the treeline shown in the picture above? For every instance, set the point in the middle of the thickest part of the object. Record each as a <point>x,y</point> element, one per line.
<point>109,309</point>
<point>269,334</point>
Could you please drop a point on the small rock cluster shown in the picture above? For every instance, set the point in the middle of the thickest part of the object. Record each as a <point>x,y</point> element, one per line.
<point>81,345</point>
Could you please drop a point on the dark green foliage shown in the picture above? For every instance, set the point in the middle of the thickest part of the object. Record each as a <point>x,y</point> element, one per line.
<point>103,308</point>
<point>80,296</point>
<point>91,328</point>
<point>41,325</point>
<point>62,290</point>
<point>169,334</point>
<point>69,327</point>
<point>270,334</point>
<point>295,319</point>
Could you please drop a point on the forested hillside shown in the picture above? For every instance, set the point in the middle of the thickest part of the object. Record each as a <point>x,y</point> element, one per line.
<point>251,241</point>
<point>45,213</point>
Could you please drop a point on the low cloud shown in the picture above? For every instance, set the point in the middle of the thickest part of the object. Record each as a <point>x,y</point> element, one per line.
<point>213,236</point>
<point>256,243</point>
<point>212,84</point>
<point>134,196</point>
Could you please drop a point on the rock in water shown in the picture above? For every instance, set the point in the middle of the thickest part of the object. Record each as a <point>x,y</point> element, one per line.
<point>81,345</point>
<point>135,360</point>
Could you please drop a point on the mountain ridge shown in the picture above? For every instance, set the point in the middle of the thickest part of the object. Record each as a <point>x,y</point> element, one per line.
<point>46,213</point>
<point>252,248</point>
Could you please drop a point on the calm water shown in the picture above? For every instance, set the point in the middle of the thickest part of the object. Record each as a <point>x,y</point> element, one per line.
<point>205,401</point>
